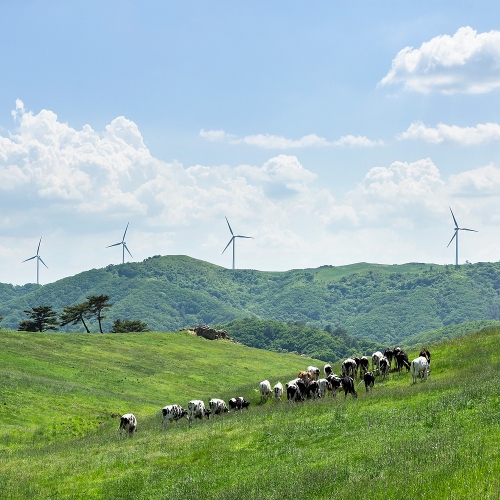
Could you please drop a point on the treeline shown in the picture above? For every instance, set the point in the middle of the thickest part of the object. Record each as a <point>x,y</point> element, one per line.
<point>44,318</point>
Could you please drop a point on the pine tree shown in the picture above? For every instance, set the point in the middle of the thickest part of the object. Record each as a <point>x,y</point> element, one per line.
<point>97,305</point>
<point>75,314</point>
<point>128,325</point>
<point>41,319</point>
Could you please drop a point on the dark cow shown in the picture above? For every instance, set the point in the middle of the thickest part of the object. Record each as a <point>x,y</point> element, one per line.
<point>128,422</point>
<point>312,389</point>
<point>238,403</point>
<point>369,379</point>
<point>348,386</point>
<point>334,384</point>
<point>385,367</point>
<point>363,365</point>
<point>349,368</point>
<point>328,370</point>
<point>402,360</point>
<point>426,354</point>
<point>389,354</point>
<point>172,412</point>
<point>293,391</point>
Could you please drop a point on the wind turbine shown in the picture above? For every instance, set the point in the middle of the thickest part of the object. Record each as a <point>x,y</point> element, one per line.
<point>233,239</point>
<point>38,260</point>
<point>123,244</point>
<point>455,235</point>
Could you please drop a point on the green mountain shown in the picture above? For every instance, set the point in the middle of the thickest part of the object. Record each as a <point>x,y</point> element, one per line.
<point>382,303</point>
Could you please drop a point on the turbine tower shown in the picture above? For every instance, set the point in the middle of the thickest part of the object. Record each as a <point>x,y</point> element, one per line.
<point>38,260</point>
<point>124,245</point>
<point>455,235</point>
<point>233,239</point>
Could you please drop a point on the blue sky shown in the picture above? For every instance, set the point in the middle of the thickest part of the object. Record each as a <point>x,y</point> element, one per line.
<point>332,132</point>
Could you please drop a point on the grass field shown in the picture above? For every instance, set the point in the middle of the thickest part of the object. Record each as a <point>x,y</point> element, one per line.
<point>437,439</point>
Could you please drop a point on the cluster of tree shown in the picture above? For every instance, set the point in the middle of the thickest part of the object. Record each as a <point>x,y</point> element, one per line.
<point>44,318</point>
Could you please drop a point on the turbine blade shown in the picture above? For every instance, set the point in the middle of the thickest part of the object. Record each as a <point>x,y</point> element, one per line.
<point>465,229</point>
<point>115,245</point>
<point>123,239</point>
<point>128,250</point>
<point>232,234</point>
<point>454,234</point>
<point>251,237</point>
<point>43,262</point>
<point>230,241</point>
<point>454,220</point>
<point>31,258</point>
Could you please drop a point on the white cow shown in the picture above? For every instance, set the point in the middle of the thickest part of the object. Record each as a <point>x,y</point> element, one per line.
<point>217,406</point>
<point>419,368</point>
<point>385,367</point>
<point>315,372</point>
<point>196,409</point>
<point>349,368</point>
<point>172,412</point>
<point>323,387</point>
<point>128,422</point>
<point>265,390</point>
<point>278,392</point>
<point>376,357</point>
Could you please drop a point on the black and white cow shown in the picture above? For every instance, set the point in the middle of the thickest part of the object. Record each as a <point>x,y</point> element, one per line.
<point>217,407</point>
<point>389,354</point>
<point>419,368</point>
<point>348,386</point>
<point>363,365</point>
<point>315,372</point>
<point>265,390</point>
<point>376,357</point>
<point>278,392</point>
<point>172,412</point>
<point>324,386</point>
<point>128,423</point>
<point>402,361</point>
<point>296,390</point>
<point>335,384</point>
<point>349,368</point>
<point>328,370</point>
<point>313,389</point>
<point>238,403</point>
<point>385,367</point>
<point>196,409</point>
<point>427,355</point>
<point>369,379</point>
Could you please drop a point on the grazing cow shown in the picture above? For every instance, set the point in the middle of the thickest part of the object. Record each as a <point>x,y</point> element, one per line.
<point>265,391</point>
<point>402,360</point>
<point>369,379</point>
<point>238,403</point>
<point>172,412</point>
<point>363,365</point>
<point>312,389</point>
<point>305,375</point>
<point>389,354</point>
<point>349,368</point>
<point>348,386</point>
<point>324,386</point>
<point>335,383</point>
<point>196,409</point>
<point>128,422</point>
<point>385,367</point>
<point>427,355</point>
<point>419,368</point>
<point>278,392</point>
<point>292,391</point>
<point>217,407</point>
<point>314,371</point>
<point>376,357</point>
<point>328,370</point>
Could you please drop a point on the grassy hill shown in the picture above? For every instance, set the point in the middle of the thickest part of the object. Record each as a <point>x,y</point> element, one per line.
<point>439,438</point>
<point>381,303</point>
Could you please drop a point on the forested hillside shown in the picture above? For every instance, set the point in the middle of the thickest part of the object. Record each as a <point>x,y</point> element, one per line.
<point>385,304</point>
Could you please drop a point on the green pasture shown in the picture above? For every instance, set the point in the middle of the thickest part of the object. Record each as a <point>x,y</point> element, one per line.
<point>437,439</point>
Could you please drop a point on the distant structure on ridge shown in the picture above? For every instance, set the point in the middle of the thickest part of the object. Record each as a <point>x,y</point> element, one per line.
<point>455,235</point>
<point>124,245</point>
<point>233,239</point>
<point>38,260</point>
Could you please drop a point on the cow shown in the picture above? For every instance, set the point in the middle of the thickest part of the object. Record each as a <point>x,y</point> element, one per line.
<point>172,412</point>
<point>265,390</point>
<point>314,371</point>
<point>128,422</point>
<point>385,367</point>
<point>335,383</point>
<point>363,365</point>
<point>389,354</point>
<point>293,391</point>
<point>327,369</point>
<point>376,357</point>
<point>349,368</point>
<point>238,403</point>
<point>278,392</point>
<point>196,409</point>
<point>402,360</point>
<point>419,368</point>
<point>369,379</point>
<point>324,386</point>
<point>312,389</point>
<point>217,407</point>
<point>306,376</point>
<point>427,355</point>
<point>348,386</point>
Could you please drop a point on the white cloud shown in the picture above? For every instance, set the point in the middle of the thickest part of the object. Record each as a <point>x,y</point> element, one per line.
<point>465,136</point>
<point>268,141</point>
<point>466,62</point>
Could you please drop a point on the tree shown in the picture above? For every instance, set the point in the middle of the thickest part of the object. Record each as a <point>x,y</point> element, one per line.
<point>97,305</point>
<point>128,325</point>
<point>76,313</point>
<point>41,319</point>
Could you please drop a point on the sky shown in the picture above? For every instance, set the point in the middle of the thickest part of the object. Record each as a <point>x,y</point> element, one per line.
<point>330,132</point>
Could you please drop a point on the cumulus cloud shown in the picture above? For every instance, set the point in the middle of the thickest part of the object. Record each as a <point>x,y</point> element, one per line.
<point>465,136</point>
<point>268,141</point>
<point>466,62</point>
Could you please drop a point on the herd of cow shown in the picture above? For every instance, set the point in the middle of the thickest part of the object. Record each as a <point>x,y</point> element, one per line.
<point>306,385</point>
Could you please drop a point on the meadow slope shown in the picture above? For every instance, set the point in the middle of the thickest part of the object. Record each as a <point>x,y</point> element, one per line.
<point>437,439</point>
